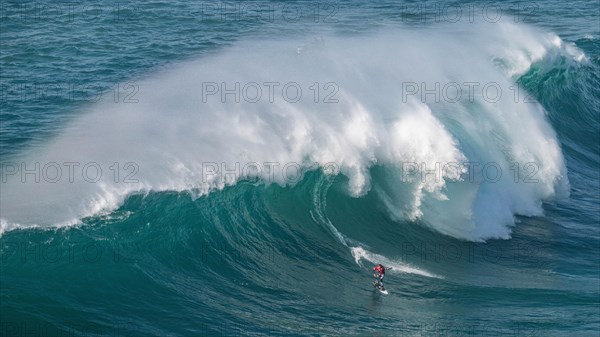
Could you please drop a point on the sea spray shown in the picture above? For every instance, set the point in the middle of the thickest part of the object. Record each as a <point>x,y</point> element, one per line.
<point>347,103</point>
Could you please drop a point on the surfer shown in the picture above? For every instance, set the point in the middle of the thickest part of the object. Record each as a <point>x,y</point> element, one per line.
<point>379,274</point>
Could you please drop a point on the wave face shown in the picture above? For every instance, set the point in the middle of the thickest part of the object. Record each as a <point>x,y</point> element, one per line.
<point>459,158</point>
<point>265,217</point>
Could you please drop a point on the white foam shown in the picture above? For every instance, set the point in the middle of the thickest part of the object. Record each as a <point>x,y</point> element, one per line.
<point>359,253</point>
<point>170,134</point>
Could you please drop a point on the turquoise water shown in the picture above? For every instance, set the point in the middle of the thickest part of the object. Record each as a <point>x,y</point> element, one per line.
<point>142,194</point>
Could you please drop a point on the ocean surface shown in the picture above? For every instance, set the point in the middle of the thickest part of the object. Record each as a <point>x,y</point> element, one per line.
<point>199,168</point>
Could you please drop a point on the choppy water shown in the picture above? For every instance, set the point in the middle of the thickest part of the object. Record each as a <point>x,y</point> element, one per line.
<point>227,169</point>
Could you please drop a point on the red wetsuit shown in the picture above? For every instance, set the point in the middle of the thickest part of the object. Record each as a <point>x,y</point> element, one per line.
<point>379,273</point>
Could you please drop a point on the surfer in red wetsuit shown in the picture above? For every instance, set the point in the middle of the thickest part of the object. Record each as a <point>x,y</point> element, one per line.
<point>379,274</point>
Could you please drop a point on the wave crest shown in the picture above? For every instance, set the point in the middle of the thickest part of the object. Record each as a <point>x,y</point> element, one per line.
<point>358,109</point>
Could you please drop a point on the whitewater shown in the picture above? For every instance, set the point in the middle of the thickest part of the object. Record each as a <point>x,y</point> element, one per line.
<point>413,100</point>
<point>200,168</point>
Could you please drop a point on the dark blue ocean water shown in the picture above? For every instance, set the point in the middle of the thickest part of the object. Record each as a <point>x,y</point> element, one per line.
<point>237,168</point>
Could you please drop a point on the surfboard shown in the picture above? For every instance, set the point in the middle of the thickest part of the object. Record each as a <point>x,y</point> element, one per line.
<point>381,290</point>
